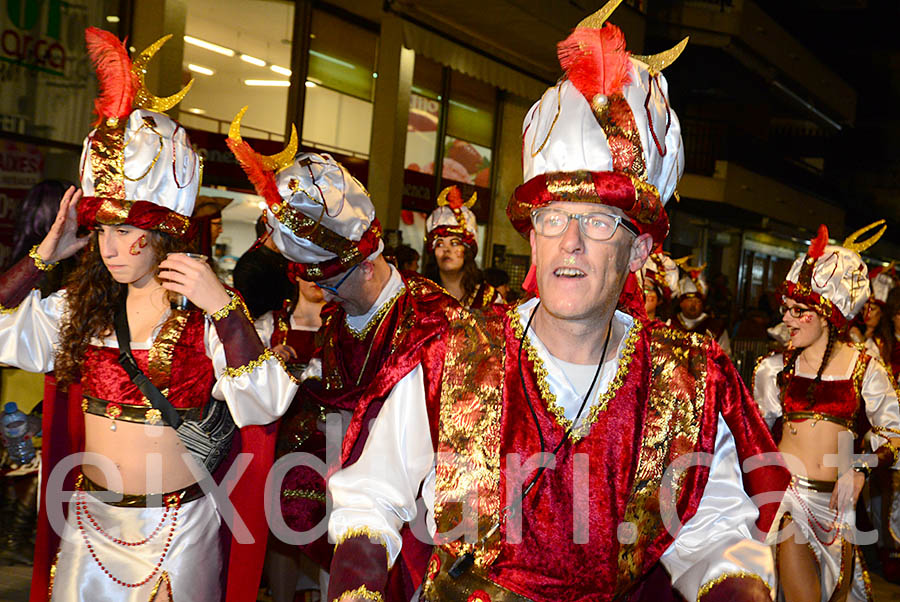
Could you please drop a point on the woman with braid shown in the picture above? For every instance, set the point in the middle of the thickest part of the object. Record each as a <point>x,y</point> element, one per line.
<point>818,396</point>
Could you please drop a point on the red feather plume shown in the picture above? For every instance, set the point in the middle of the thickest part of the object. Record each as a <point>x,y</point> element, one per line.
<point>113,65</point>
<point>817,246</point>
<point>454,198</point>
<point>262,179</point>
<point>595,60</point>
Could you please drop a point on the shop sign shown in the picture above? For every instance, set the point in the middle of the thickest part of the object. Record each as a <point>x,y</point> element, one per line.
<point>30,35</point>
<point>21,167</point>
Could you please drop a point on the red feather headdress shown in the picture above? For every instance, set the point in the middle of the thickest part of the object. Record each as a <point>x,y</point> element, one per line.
<point>113,66</point>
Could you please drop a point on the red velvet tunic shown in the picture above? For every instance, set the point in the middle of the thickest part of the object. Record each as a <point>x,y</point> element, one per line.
<point>666,404</point>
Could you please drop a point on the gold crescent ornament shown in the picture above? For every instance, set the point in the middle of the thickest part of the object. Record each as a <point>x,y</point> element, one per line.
<point>859,247</point>
<point>658,62</point>
<point>276,162</point>
<point>597,19</point>
<point>143,98</point>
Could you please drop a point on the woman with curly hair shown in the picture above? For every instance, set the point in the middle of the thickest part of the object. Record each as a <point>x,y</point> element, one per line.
<point>818,396</point>
<point>451,249</point>
<point>159,377</point>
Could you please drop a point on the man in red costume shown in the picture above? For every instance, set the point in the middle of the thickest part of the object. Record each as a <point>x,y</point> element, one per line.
<point>618,402</point>
<point>377,320</point>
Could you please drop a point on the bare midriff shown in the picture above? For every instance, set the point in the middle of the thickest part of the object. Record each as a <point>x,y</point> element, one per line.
<point>815,445</point>
<point>148,457</point>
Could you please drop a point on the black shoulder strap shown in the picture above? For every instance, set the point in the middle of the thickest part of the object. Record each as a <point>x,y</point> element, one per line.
<point>127,361</point>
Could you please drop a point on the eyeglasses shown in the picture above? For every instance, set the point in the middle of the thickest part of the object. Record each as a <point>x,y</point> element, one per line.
<point>334,289</point>
<point>598,226</point>
<point>795,311</point>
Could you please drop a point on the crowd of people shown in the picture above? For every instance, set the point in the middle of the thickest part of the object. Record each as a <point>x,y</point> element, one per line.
<point>339,420</point>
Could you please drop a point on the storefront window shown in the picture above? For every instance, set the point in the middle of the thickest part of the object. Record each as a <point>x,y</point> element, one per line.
<point>340,86</point>
<point>239,53</point>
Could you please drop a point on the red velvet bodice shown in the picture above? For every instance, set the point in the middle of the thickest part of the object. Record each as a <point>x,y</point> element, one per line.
<point>180,369</point>
<point>837,398</point>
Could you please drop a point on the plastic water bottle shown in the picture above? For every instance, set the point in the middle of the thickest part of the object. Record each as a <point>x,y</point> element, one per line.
<point>14,425</point>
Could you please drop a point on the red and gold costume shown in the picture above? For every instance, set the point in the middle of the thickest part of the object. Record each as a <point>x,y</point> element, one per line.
<point>832,281</point>
<point>138,168</point>
<point>592,527</point>
<point>667,394</point>
<point>324,221</point>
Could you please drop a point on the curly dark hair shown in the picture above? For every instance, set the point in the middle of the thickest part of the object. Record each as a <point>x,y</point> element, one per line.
<point>92,297</point>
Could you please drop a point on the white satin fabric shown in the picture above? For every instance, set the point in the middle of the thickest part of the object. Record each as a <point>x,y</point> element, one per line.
<point>882,284</point>
<point>159,147</point>
<point>822,530</point>
<point>193,563</point>
<point>323,190</point>
<point>379,491</point>
<point>878,394</point>
<point>563,122</point>
<point>841,276</point>
<point>29,336</point>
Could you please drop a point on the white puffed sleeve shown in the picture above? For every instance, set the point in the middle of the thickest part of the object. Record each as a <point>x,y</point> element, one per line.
<point>265,328</point>
<point>717,541</point>
<point>765,387</point>
<point>378,492</point>
<point>882,409</point>
<point>257,393</point>
<point>29,334</point>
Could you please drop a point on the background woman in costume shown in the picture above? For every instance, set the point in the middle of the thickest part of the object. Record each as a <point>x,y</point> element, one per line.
<point>290,333</point>
<point>162,538</point>
<point>819,390</point>
<point>451,248</point>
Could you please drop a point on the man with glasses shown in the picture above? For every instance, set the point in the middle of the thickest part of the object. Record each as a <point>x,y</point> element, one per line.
<point>575,451</point>
<point>375,322</point>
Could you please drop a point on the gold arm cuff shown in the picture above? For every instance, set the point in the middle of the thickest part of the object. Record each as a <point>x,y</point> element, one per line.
<point>249,366</point>
<point>235,303</point>
<point>38,262</point>
<point>360,592</point>
<point>374,536</point>
<point>709,585</point>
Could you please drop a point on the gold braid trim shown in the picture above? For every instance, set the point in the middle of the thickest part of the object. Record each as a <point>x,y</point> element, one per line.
<point>250,366</point>
<point>376,317</point>
<point>8,310</point>
<point>304,494</point>
<point>235,303</point>
<point>374,537</point>
<point>709,585</point>
<point>360,592</point>
<point>38,262</point>
<point>541,375</point>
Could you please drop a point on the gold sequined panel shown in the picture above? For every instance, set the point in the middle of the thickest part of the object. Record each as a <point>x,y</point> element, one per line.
<point>671,428</point>
<point>113,211</point>
<point>572,186</point>
<point>108,161</point>
<point>468,468</point>
<point>622,136</point>
<point>541,376</point>
<point>159,358</point>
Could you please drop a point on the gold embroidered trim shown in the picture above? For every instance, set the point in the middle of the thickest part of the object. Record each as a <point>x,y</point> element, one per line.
<point>542,375</point>
<point>377,317</point>
<point>709,585</point>
<point>163,577</point>
<point>235,303</point>
<point>52,575</point>
<point>8,310</point>
<point>304,494</point>
<point>251,365</point>
<point>159,358</point>
<point>360,592</point>
<point>756,369</point>
<point>38,262</point>
<point>374,536</point>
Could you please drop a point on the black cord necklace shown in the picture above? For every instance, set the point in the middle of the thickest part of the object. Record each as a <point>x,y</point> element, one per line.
<point>464,562</point>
